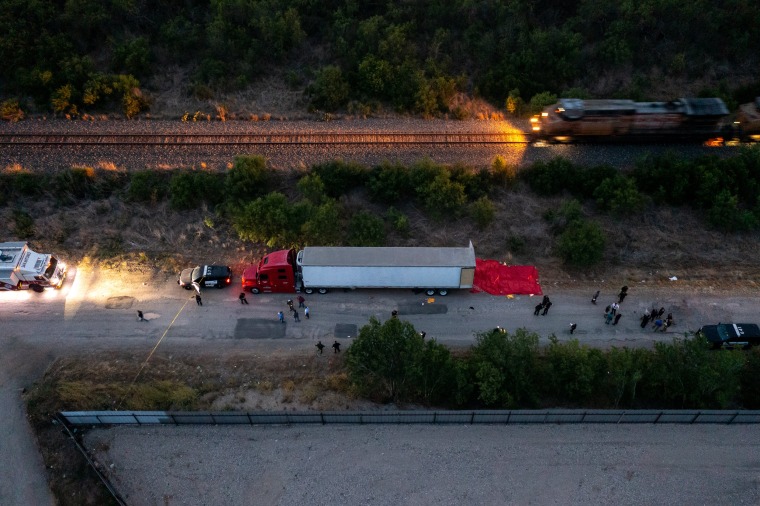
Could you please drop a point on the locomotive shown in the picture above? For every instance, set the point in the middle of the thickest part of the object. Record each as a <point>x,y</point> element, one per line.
<point>684,119</point>
<point>747,124</point>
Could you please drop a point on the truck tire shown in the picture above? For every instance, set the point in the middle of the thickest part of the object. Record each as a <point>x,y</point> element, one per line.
<point>430,292</point>
<point>308,291</point>
<point>36,288</point>
<point>443,292</point>
<point>254,290</point>
<point>322,290</point>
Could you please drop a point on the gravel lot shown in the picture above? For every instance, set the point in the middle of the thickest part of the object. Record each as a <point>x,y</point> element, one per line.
<point>419,465</point>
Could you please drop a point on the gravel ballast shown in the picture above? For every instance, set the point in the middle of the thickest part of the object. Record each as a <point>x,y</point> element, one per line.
<point>441,465</point>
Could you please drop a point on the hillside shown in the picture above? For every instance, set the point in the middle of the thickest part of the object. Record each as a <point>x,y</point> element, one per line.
<point>429,58</point>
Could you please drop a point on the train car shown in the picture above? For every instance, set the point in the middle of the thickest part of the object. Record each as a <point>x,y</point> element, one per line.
<point>747,122</point>
<point>685,119</point>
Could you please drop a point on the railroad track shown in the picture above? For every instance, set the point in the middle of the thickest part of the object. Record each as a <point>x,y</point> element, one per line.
<point>314,138</point>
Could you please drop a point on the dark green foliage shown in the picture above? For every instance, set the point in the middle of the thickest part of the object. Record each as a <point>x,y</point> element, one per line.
<point>398,221</point>
<point>79,183</point>
<point>575,371</point>
<point>323,225</point>
<point>483,212</point>
<point>476,183</point>
<point>750,380</point>
<point>505,368</point>
<point>442,197</point>
<point>726,215</point>
<point>312,188</point>
<point>581,244</point>
<point>248,179</point>
<point>132,57</point>
<point>330,90</point>
<point>148,186</point>
<point>389,183</point>
<point>625,369</point>
<point>23,224</point>
<point>188,190</point>
<point>28,184</point>
<point>503,174</point>
<point>340,177</point>
<point>552,177</point>
<point>392,362</point>
<point>366,229</point>
<point>269,219</point>
<point>687,374</point>
<point>619,195</point>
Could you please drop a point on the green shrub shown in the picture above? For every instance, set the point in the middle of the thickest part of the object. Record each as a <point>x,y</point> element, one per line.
<point>29,184</point>
<point>502,173</point>
<point>505,368</point>
<point>541,100</point>
<point>340,177</point>
<point>619,195</point>
<point>750,380</point>
<point>483,212</point>
<point>581,244</point>
<point>183,193</point>
<point>268,219</point>
<point>726,215</point>
<point>329,91</point>
<point>23,224</point>
<point>366,229</point>
<point>10,111</point>
<point>148,186</point>
<point>574,372</point>
<point>312,188</point>
<point>248,179</point>
<point>389,183</point>
<point>476,183</point>
<point>552,177</point>
<point>443,198</point>
<point>399,221</point>
<point>323,225</point>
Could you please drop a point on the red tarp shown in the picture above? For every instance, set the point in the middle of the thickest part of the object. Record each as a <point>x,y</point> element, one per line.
<point>499,279</point>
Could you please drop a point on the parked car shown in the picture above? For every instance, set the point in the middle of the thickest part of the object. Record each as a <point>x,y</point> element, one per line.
<point>731,335</point>
<point>205,276</point>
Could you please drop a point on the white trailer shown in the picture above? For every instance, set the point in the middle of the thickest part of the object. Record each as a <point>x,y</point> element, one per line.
<point>430,269</point>
<point>21,268</point>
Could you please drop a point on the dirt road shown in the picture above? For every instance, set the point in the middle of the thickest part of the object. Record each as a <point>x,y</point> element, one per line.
<point>97,310</point>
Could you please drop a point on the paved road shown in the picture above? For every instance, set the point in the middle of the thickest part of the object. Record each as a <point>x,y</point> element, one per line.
<point>97,310</point>
<point>433,465</point>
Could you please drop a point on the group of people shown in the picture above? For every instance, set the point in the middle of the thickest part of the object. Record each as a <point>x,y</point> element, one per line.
<point>296,317</point>
<point>612,312</point>
<point>544,305</point>
<point>320,347</point>
<point>658,322</point>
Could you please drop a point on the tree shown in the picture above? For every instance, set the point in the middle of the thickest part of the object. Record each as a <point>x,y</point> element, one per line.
<point>266,219</point>
<point>366,229</point>
<point>248,179</point>
<point>505,367</point>
<point>392,361</point>
<point>330,90</point>
<point>581,244</point>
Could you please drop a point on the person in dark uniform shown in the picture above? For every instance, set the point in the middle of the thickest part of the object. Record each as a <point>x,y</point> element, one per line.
<point>546,308</point>
<point>336,347</point>
<point>242,298</point>
<point>573,326</point>
<point>596,296</point>
<point>320,347</point>
<point>198,299</point>
<point>538,308</point>
<point>140,317</point>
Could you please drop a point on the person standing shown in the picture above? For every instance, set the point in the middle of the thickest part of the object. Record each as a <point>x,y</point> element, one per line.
<point>622,296</point>
<point>614,307</point>
<point>295,316</point>
<point>546,300</point>
<point>657,325</point>
<point>645,320</point>
<point>320,347</point>
<point>660,312</point>
<point>301,301</point>
<point>140,317</point>
<point>573,327</point>
<point>198,299</point>
<point>546,308</point>
<point>608,318</point>
<point>617,318</point>
<point>290,305</point>
<point>596,296</point>
<point>336,347</point>
<point>306,312</point>
<point>281,316</point>
<point>538,308</point>
<point>242,298</point>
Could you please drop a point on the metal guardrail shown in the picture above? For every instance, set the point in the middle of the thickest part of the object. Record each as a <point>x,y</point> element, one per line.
<point>507,417</point>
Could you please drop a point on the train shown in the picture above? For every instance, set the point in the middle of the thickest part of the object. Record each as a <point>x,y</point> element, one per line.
<point>683,119</point>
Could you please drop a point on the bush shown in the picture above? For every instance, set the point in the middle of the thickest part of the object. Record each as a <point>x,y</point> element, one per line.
<point>574,372</point>
<point>23,224</point>
<point>29,184</point>
<point>247,179</point>
<point>340,177</point>
<point>502,173</point>
<point>330,90</point>
<point>483,212</point>
<point>10,111</point>
<point>619,195</point>
<point>312,188</point>
<point>581,244</point>
<point>187,190</point>
<point>148,186</point>
<point>475,183</point>
<point>268,219</point>
<point>443,198</point>
<point>366,229</point>
<point>505,368</point>
<point>399,221</point>
<point>552,177</point>
<point>726,215</point>
<point>389,183</point>
<point>323,225</point>
<point>392,362</point>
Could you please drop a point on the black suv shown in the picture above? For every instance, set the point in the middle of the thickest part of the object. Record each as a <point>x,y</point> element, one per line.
<point>731,335</point>
<point>206,276</point>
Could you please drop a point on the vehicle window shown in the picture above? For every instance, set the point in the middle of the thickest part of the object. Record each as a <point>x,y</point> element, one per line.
<point>265,278</point>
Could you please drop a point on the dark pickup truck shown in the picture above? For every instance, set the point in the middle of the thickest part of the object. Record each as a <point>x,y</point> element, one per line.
<point>205,276</point>
<point>731,335</point>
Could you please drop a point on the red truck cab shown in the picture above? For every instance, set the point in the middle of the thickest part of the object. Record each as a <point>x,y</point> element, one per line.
<point>275,273</point>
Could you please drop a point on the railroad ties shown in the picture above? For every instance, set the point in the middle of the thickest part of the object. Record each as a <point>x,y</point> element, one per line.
<point>312,138</point>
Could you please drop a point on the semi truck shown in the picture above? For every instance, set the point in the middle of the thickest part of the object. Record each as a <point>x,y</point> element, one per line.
<point>22,268</point>
<point>321,268</point>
